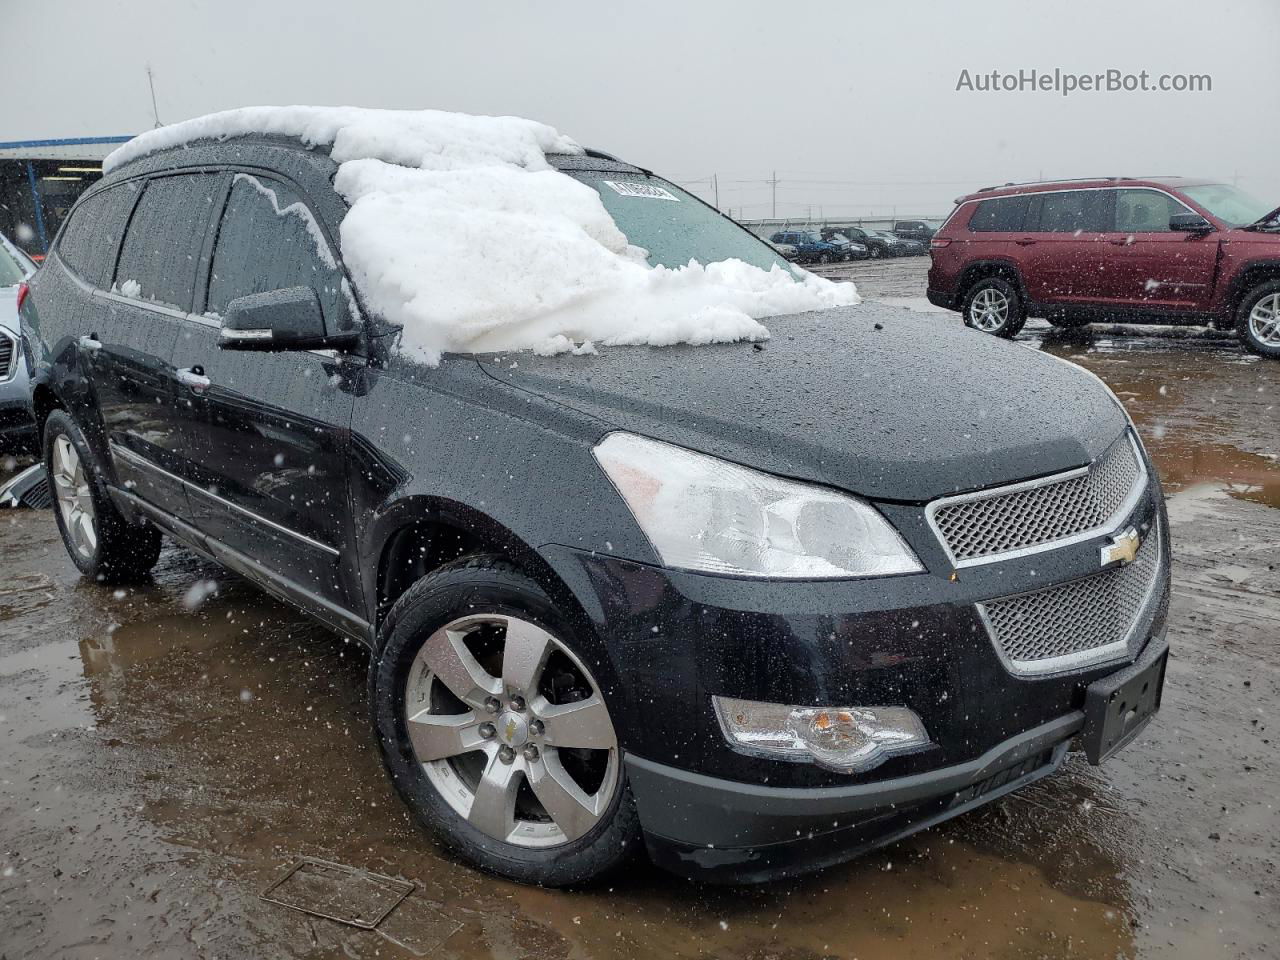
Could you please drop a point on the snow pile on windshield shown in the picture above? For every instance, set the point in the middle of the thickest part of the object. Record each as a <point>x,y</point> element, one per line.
<point>461,232</point>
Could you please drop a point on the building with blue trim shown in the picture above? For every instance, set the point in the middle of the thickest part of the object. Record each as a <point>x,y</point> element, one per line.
<point>41,179</point>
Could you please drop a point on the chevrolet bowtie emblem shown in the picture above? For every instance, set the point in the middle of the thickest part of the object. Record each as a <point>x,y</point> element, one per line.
<point>1122,548</point>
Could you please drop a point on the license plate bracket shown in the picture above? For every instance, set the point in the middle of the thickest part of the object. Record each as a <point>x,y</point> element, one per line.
<point>1118,707</point>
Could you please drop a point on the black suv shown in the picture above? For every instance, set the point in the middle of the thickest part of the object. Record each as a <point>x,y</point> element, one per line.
<point>921,231</point>
<point>755,607</point>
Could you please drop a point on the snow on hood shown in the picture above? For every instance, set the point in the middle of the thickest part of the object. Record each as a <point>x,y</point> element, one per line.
<point>461,232</point>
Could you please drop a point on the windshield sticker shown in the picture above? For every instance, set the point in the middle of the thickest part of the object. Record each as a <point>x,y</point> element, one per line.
<point>631,188</point>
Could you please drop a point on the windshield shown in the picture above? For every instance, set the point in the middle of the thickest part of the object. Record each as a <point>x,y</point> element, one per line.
<point>672,226</point>
<point>1228,203</point>
<point>12,269</point>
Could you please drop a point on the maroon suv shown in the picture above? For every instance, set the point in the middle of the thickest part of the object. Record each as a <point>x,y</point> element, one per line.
<point>1155,250</point>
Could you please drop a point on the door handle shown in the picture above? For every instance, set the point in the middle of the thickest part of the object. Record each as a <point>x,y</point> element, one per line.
<point>193,378</point>
<point>1025,241</point>
<point>90,343</point>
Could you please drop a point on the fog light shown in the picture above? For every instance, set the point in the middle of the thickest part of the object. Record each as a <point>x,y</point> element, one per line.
<point>845,739</point>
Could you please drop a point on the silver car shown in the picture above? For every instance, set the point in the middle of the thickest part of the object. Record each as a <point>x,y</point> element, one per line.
<point>17,430</point>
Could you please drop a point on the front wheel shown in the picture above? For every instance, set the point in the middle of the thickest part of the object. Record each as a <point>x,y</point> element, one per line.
<point>496,732</point>
<point>824,258</point>
<point>1258,320</point>
<point>100,542</point>
<point>993,306</point>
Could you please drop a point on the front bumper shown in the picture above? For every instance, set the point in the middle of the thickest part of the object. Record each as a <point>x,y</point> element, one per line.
<point>727,831</point>
<point>722,830</point>
<point>17,428</point>
<point>670,640</point>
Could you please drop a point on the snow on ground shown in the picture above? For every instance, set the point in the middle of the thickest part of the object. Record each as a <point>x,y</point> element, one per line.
<point>460,231</point>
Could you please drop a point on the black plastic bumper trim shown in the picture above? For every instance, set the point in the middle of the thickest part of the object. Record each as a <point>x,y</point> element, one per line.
<point>688,807</point>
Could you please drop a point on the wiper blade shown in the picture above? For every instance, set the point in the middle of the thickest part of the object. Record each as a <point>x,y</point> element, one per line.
<point>1264,222</point>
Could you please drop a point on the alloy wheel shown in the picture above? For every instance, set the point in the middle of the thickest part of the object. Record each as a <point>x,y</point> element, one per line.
<point>75,503</point>
<point>1264,320</point>
<point>512,731</point>
<point>989,310</point>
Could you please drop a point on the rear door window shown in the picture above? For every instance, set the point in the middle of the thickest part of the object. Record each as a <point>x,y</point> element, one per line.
<point>163,242</point>
<point>999,215</point>
<point>1145,211</point>
<point>268,240</point>
<point>1071,211</point>
<point>91,238</point>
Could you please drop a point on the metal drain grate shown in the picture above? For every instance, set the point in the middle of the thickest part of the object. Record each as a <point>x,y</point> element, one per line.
<point>337,892</point>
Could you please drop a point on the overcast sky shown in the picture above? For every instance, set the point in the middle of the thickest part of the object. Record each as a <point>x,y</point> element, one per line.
<point>854,104</point>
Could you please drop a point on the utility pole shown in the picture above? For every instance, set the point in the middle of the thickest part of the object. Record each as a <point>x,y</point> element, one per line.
<point>774,184</point>
<point>715,184</point>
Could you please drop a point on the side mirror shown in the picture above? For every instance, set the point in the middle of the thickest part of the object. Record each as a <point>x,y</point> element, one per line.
<point>1189,223</point>
<point>287,319</point>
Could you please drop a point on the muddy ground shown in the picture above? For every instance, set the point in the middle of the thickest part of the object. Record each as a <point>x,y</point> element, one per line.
<point>160,766</point>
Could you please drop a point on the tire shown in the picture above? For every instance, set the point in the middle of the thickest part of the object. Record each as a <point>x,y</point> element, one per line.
<point>876,253</point>
<point>824,258</point>
<point>101,543</point>
<point>481,598</point>
<point>993,305</point>
<point>1258,320</point>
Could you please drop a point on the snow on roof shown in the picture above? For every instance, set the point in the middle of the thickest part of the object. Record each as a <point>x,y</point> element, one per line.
<point>462,233</point>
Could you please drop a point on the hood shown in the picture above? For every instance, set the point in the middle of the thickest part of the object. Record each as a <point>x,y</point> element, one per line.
<point>879,401</point>
<point>9,309</point>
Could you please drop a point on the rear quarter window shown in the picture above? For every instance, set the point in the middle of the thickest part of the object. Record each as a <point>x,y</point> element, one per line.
<point>999,215</point>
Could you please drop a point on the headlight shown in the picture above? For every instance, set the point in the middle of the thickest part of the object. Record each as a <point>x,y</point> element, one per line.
<point>845,739</point>
<point>702,513</point>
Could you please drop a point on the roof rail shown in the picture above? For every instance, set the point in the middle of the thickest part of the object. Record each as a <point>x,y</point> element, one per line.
<point>1027,183</point>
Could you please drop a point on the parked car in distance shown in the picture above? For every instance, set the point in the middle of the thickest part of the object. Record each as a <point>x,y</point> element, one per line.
<point>852,249</point>
<point>609,605</point>
<point>897,247</point>
<point>1156,250</point>
<point>17,429</point>
<point>810,247</point>
<point>879,243</point>
<point>786,250</point>
<point>921,231</point>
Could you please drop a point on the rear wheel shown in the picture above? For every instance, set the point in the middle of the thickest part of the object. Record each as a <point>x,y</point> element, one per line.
<point>100,542</point>
<point>495,731</point>
<point>992,305</point>
<point>1258,320</point>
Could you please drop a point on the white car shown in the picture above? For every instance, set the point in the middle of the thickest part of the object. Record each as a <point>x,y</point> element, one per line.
<point>17,431</point>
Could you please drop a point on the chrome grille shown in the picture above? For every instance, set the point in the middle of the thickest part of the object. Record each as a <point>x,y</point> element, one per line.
<point>8,355</point>
<point>976,526</point>
<point>1071,625</point>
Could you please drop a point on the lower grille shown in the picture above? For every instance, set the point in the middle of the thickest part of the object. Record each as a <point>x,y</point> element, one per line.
<point>1008,775</point>
<point>8,355</point>
<point>1076,624</point>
